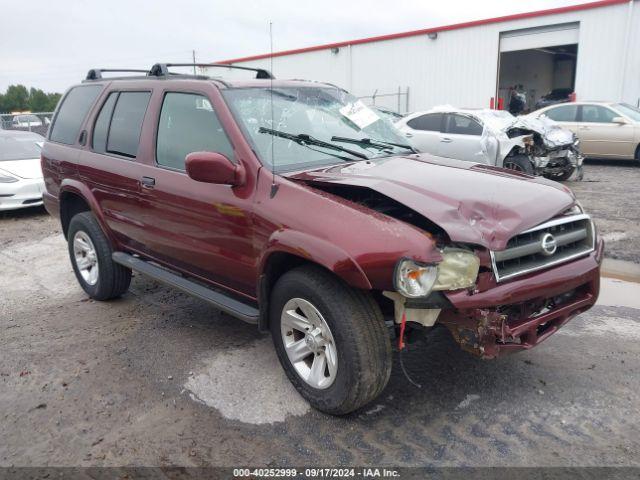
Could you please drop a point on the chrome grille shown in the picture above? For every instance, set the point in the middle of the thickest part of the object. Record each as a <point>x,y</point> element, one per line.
<point>556,241</point>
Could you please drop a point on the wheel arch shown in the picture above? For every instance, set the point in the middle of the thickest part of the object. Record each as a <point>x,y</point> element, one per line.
<point>74,198</point>
<point>284,254</point>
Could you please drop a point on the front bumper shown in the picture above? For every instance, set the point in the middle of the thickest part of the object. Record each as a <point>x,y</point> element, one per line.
<point>521,313</point>
<point>21,194</point>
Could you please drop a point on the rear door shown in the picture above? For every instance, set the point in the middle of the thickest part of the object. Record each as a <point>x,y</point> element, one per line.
<point>202,229</point>
<point>461,138</point>
<point>424,132</point>
<point>110,165</point>
<point>600,136</point>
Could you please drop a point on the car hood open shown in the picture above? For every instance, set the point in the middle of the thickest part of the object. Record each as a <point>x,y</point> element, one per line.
<point>472,203</point>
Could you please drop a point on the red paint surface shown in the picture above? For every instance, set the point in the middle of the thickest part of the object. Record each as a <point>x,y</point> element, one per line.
<point>425,31</point>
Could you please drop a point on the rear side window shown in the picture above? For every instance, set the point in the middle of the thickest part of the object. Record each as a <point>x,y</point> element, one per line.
<point>462,125</point>
<point>188,124</point>
<point>101,128</point>
<point>126,123</point>
<point>565,113</point>
<point>430,122</point>
<point>597,114</point>
<point>76,104</point>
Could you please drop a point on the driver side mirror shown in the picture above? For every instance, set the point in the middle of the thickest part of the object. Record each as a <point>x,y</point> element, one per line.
<point>211,167</point>
<point>619,120</point>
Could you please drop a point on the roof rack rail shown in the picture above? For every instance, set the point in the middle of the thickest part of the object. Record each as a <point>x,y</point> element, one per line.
<point>162,69</point>
<point>96,73</point>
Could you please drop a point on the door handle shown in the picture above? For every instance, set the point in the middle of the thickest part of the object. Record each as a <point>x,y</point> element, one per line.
<point>446,140</point>
<point>408,135</point>
<point>148,182</point>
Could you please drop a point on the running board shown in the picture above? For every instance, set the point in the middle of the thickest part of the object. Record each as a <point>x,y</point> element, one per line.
<point>221,301</point>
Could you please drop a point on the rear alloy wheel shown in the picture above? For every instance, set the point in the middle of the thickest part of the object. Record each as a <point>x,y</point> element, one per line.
<point>330,338</point>
<point>90,253</point>
<point>520,163</point>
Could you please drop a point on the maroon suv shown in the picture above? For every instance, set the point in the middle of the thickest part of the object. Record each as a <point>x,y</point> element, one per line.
<point>291,205</point>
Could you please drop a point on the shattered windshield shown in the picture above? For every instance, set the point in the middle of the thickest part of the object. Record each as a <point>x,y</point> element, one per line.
<point>312,126</point>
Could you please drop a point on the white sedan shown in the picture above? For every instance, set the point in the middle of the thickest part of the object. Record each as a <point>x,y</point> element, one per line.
<point>495,137</point>
<point>21,183</point>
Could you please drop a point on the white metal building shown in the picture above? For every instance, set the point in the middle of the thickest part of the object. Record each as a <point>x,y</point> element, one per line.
<point>593,48</point>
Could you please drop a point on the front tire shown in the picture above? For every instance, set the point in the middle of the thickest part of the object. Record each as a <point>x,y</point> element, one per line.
<point>90,251</point>
<point>330,339</point>
<point>519,163</point>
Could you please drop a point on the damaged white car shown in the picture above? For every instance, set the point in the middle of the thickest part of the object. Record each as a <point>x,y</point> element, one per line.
<point>537,146</point>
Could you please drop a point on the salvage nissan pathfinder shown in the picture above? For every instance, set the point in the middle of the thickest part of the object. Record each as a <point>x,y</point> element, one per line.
<point>293,206</point>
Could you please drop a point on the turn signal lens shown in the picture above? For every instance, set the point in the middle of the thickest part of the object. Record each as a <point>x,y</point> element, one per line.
<point>415,280</point>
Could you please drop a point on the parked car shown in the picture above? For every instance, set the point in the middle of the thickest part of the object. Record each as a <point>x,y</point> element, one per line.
<point>605,129</point>
<point>21,183</point>
<point>292,206</point>
<point>495,137</point>
<point>26,121</point>
<point>557,95</point>
<point>386,113</point>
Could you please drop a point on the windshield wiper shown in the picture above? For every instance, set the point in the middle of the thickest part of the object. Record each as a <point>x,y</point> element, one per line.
<point>379,144</point>
<point>304,139</point>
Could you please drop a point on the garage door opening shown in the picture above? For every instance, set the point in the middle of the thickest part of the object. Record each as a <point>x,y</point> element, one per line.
<point>537,66</point>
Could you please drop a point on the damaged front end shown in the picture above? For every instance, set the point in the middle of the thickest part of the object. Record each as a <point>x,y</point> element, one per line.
<point>554,151</point>
<point>489,332</point>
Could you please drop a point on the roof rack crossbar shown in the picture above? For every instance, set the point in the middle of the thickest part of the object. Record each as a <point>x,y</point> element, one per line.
<point>96,73</point>
<point>162,69</point>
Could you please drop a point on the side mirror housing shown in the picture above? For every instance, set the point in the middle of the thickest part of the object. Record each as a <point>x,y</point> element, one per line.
<point>619,120</point>
<point>211,167</point>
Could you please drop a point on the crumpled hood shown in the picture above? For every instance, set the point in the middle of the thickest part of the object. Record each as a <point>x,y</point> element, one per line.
<point>553,135</point>
<point>473,203</point>
<point>22,168</point>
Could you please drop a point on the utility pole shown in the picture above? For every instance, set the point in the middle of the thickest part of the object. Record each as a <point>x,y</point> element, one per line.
<point>193,56</point>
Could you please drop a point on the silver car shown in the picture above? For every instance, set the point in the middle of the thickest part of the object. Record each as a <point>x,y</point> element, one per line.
<point>536,146</point>
<point>21,183</point>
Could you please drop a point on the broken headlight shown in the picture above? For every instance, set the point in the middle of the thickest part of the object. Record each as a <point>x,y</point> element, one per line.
<point>458,269</point>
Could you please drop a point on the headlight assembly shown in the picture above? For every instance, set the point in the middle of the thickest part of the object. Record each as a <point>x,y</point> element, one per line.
<point>458,269</point>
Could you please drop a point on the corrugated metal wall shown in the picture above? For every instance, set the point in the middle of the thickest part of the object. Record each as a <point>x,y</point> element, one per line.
<point>460,67</point>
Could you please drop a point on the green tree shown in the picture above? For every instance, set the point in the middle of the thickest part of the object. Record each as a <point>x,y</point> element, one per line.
<point>52,101</point>
<point>38,100</point>
<point>16,98</point>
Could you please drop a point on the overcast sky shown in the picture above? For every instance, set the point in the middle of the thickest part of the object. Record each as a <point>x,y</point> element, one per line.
<point>51,44</point>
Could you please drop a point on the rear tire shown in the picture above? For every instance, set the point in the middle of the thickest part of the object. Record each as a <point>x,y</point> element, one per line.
<point>519,163</point>
<point>90,251</point>
<point>355,332</point>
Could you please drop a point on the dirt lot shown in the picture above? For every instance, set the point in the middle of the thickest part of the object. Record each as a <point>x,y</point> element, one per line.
<point>158,378</point>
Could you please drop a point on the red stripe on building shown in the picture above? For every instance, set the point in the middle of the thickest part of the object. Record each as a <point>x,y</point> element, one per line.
<point>456,26</point>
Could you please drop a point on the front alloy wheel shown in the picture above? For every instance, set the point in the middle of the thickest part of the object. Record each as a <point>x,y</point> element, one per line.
<point>86,257</point>
<point>309,343</point>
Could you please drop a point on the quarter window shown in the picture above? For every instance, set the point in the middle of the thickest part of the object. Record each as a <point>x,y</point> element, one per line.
<point>463,125</point>
<point>74,107</point>
<point>101,128</point>
<point>597,114</point>
<point>430,122</point>
<point>126,123</point>
<point>566,113</point>
<point>188,124</point>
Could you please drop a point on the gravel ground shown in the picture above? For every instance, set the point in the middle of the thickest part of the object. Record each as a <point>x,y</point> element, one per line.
<point>158,378</point>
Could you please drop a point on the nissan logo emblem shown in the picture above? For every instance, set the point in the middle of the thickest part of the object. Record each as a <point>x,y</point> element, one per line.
<point>548,244</point>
